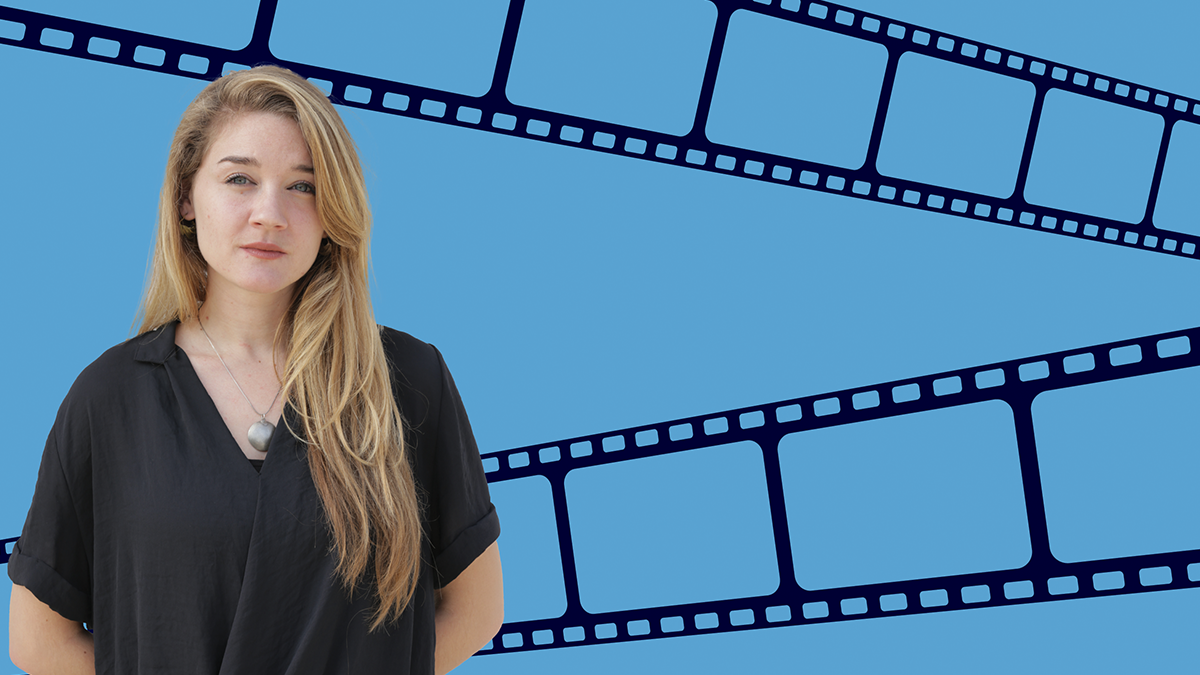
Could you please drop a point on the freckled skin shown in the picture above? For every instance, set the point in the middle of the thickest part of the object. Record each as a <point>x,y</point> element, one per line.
<point>269,199</point>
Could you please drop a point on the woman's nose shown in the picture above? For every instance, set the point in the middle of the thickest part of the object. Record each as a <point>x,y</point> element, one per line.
<point>268,208</point>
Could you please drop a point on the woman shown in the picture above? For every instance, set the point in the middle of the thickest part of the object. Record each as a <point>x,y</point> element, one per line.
<point>172,517</point>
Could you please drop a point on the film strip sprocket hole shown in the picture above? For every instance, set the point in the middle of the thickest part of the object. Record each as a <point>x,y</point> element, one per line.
<point>493,112</point>
<point>1018,384</point>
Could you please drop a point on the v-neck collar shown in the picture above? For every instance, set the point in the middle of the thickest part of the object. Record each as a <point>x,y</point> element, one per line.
<point>158,346</point>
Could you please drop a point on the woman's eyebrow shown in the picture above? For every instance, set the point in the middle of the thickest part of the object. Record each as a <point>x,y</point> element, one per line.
<point>250,161</point>
<point>237,159</point>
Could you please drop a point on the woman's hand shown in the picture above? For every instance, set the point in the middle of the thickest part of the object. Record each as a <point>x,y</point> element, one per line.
<point>40,640</point>
<point>469,612</point>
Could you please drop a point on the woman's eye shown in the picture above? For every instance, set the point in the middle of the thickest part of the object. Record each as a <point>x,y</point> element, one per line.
<point>237,179</point>
<point>306,188</point>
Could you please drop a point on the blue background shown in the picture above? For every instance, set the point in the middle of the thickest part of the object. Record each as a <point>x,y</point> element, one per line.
<point>575,292</point>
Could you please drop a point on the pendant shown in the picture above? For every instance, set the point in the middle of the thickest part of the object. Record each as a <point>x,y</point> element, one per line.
<point>260,435</point>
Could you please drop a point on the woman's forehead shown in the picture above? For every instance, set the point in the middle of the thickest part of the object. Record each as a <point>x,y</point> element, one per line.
<point>260,137</point>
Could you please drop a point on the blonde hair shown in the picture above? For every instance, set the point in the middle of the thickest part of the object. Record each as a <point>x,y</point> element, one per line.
<point>337,375</point>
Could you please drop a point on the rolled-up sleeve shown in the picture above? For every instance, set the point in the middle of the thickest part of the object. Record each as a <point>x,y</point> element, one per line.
<point>467,522</point>
<point>53,557</point>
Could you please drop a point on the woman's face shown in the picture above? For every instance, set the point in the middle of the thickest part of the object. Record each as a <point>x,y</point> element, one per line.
<point>254,206</point>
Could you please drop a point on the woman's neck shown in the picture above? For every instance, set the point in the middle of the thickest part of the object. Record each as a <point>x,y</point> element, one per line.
<point>243,324</point>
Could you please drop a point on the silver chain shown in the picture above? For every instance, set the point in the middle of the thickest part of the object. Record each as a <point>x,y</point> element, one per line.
<point>262,416</point>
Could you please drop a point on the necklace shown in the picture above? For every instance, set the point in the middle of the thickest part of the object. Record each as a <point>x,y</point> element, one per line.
<point>260,432</point>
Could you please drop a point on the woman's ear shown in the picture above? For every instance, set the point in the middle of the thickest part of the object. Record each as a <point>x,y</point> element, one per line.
<point>186,210</point>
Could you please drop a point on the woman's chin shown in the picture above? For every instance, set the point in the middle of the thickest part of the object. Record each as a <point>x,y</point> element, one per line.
<point>256,286</point>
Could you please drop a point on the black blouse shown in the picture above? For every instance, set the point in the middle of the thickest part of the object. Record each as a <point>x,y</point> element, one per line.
<point>149,525</point>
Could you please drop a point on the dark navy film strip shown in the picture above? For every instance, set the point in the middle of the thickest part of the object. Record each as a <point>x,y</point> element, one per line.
<point>1043,579</point>
<point>493,112</point>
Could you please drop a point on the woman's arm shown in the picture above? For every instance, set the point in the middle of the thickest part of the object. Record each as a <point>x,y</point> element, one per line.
<point>469,612</point>
<point>40,640</point>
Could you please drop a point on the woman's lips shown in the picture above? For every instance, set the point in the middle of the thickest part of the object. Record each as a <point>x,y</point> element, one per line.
<point>265,252</point>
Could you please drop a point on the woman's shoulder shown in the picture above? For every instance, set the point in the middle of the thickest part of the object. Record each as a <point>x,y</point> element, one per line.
<point>399,340</point>
<point>116,371</point>
<point>408,352</point>
<point>115,382</point>
<point>415,361</point>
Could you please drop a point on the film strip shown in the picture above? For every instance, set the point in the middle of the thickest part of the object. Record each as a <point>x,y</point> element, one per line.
<point>1043,579</point>
<point>6,546</point>
<point>493,112</point>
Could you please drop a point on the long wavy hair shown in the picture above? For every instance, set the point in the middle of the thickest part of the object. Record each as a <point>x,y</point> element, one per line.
<point>336,377</point>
